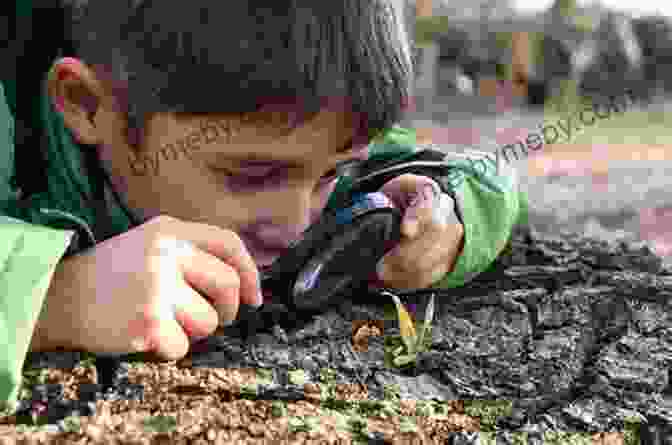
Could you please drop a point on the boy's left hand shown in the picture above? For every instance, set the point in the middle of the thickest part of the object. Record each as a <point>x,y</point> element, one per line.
<point>432,235</point>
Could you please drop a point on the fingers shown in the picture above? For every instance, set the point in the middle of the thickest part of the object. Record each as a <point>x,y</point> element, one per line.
<point>422,262</point>
<point>426,212</point>
<point>432,242</point>
<point>230,249</point>
<point>219,284</point>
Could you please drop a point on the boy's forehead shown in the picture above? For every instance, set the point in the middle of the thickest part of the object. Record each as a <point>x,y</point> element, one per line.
<point>330,133</point>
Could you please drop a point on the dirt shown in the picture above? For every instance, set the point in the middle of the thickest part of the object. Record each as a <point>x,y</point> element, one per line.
<point>572,385</point>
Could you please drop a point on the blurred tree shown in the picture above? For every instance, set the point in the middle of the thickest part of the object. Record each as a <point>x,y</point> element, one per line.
<point>655,37</point>
<point>564,8</point>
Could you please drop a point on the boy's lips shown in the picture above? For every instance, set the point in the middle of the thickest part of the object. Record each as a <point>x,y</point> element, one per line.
<point>264,254</point>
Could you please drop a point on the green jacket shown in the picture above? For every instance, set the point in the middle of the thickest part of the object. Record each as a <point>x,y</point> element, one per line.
<point>37,232</point>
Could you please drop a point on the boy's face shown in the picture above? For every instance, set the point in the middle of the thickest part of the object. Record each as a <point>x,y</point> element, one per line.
<point>258,180</point>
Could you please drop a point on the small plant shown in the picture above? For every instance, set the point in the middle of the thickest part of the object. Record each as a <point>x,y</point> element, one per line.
<point>391,392</point>
<point>424,408</point>
<point>412,342</point>
<point>88,360</point>
<point>248,392</point>
<point>278,408</point>
<point>407,425</point>
<point>327,375</point>
<point>358,427</point>
<point>565,438</point>
<point>488,411</point>
<point>70,424</point>
<point>439,408</point>
<point>8,408</point>
<point>265,375</point>
<point>34,377</point>
<point>631,430</point>
<point>302,424</point>
<point>297,377</point>
<point>160,424</point>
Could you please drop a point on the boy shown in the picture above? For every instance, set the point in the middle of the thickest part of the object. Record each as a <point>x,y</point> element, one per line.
<point>185,145</point>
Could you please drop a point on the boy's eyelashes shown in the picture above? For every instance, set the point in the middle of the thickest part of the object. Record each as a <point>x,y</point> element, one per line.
<point>259,176</point>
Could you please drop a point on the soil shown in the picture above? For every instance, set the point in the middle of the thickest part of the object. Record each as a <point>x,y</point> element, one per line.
<point>521,334</point>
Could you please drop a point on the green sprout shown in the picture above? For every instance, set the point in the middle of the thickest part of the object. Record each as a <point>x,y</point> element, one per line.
<point>413,341</point>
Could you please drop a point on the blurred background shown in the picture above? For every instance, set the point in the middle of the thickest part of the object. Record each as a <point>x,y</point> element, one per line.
<point>492,72</point>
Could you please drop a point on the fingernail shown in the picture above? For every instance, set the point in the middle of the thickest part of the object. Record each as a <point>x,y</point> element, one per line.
<point>260,300</point>
<point>430,191</point>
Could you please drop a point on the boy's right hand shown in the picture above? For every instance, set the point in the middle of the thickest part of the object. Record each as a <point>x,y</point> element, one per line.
<point>162,283</point>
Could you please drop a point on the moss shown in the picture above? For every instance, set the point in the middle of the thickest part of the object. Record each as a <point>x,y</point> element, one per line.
<point>408,425</point>
<point>264,376</point>
<point>297,377</point>
<point>327,375</point>
<point>304,424</point>
<point>160,423</point>
<point>488,411</point>
<point>564,438</point>
<point>278,408</point>
<point>631,431</point>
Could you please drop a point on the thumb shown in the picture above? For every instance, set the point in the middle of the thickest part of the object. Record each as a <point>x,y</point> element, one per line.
<point>415,195</point>
<point>404,188</point>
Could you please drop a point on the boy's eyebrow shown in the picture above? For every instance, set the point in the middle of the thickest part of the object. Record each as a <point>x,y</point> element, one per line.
<point>262,160</point>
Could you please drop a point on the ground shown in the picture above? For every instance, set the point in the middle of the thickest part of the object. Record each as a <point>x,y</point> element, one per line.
<point>567,339</point>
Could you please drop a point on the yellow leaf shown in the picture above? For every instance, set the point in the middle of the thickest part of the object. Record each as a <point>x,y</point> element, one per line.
<point>406,325</point>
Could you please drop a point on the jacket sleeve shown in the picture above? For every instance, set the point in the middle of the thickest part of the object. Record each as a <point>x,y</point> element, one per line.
<point>487,197</point>
<point>490,204</point>
<point>28,257</point>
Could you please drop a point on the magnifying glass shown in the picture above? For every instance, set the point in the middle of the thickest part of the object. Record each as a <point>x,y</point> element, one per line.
<point>336,255</point>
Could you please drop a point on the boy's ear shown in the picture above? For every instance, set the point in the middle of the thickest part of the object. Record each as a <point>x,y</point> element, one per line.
<point>76,93</point>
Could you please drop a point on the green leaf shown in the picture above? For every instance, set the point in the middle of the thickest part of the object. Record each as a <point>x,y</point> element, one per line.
<point>429,316</point>
<point>406,326</point>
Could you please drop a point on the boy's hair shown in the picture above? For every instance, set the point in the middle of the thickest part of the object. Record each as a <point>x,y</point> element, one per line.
<point>240,56</point>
